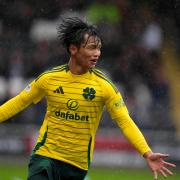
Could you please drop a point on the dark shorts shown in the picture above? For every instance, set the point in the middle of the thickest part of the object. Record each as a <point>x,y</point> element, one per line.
<point>44,168</point>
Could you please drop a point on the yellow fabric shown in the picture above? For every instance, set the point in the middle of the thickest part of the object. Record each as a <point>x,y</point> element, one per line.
<point>11,108</point>
<point>74,107</point>
<point>20,102</point>
<point>132,133</point>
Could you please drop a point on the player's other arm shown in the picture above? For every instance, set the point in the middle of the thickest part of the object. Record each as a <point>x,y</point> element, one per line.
<point>132,132</point>
<point>32,93</point>
<point>119,113</point>
<point>155,161</point>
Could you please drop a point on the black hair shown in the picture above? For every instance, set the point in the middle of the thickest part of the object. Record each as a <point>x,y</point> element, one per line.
<point>72,31</point>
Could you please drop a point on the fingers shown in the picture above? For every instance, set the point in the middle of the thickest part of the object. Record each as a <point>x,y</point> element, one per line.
<point>169,164</point>
<point>162,155</point>
<point>156,156</point>
<point>167,171</point>
<point>155,175</point>
<point>163,173</point>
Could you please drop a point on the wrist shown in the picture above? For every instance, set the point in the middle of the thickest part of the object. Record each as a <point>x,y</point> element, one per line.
<point>147,154</point>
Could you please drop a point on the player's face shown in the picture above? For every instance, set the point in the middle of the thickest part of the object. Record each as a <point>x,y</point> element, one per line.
<point>89,52</point>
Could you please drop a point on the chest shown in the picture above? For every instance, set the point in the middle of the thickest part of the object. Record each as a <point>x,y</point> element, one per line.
<point>75,94</point>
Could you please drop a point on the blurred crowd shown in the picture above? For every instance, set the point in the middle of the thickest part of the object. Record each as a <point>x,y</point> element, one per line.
<point>133,33</point>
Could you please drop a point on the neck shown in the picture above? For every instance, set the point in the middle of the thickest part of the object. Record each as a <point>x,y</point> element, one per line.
<point>75,68</point>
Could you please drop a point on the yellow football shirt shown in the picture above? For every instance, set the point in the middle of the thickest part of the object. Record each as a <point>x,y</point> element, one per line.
<point>74,107</point>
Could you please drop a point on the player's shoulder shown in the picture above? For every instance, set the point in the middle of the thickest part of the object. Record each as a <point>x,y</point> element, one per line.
<point>52,71</point>
<point>100,75</point>
<point>103,78</point>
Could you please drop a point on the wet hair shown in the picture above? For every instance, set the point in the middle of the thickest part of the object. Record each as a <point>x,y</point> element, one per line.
<point>72,31</point>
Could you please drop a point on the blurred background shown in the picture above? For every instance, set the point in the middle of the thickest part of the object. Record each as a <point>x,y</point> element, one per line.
<point>140,53</point>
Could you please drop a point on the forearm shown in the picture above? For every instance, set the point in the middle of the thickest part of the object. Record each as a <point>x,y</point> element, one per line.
<point>33,93</point>
<point>133,134</point>
<point>12,107</point>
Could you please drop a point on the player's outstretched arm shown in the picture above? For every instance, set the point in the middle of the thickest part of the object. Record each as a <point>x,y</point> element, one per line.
<point>158,165</point>
<point>31,94</point>
<point>12,107</point>
<point>155,161</point>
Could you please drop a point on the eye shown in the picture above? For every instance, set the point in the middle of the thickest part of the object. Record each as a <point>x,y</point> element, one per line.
<point>94,46</point>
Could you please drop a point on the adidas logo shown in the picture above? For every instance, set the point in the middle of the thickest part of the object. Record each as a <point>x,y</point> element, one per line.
<point>59,90</point>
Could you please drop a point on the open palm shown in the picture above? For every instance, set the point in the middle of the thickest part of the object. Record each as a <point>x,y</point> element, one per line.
<point>157,164</point>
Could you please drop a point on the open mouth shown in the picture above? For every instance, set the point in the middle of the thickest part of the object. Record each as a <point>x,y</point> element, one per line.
<point>93,61</point>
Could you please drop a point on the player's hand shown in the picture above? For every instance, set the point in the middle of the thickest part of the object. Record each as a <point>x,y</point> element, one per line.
<point>157,164</point>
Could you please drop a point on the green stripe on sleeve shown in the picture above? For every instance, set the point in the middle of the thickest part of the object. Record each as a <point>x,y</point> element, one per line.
<point>57,69</point>
<point>102,75</point>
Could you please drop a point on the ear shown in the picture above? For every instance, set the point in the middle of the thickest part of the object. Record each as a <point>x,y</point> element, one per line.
<point>72,49</point>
